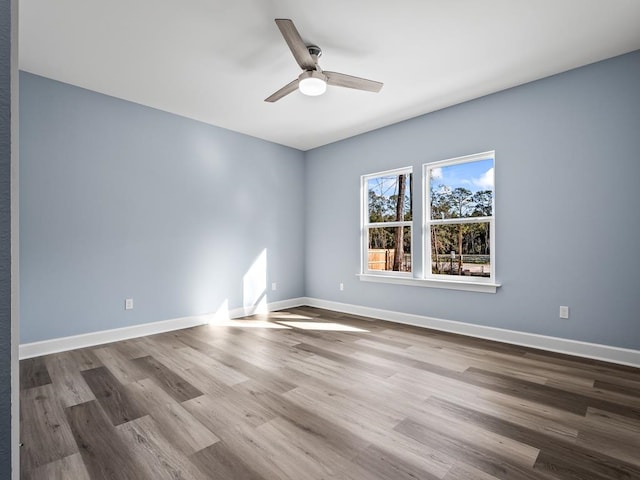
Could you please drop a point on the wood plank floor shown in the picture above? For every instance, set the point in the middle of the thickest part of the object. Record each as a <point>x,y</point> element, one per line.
<point>311,394</point>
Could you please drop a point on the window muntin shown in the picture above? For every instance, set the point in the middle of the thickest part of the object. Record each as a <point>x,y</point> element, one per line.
<point>459,218</point>
<point>388,214</point>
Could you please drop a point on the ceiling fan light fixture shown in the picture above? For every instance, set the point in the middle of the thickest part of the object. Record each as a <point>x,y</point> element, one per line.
<point>312,83</point>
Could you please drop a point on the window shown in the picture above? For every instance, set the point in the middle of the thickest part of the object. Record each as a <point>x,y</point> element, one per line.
<point>459,219</point>
<point>387,220</point>
<point>458,229</point>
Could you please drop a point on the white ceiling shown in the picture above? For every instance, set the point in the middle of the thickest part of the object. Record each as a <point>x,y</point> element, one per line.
<point>216,61</point>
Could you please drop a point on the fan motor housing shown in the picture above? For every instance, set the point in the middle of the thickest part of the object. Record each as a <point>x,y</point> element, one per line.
<point>314,50</point>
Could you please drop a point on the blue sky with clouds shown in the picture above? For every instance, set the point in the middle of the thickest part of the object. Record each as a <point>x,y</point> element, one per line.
<point>474,176</point>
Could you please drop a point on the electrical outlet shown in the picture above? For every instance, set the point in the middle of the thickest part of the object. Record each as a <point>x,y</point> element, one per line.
<point>274,286</point>
<point>341,286</point>
<point>128,304</point>
<point>564,312</point>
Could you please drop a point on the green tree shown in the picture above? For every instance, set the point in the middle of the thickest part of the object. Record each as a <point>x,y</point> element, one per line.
<point>463,238</point>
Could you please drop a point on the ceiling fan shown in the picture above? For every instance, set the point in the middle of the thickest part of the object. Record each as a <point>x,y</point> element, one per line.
<point>313,80</point>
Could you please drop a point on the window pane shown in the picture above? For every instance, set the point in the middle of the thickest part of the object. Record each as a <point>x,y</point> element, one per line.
<point>390,249</point>
<point>472,239</point>
<point>390,198</point>
<point>461,191</point>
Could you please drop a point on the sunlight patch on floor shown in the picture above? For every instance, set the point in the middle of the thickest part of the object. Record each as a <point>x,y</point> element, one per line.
<point>327,326</point>
<point>247,324</point>
<point>288,316</point>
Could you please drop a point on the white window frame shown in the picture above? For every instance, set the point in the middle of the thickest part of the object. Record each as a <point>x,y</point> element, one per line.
<point>427,222</point>
<point>365,226</point>
<point>427,279</point>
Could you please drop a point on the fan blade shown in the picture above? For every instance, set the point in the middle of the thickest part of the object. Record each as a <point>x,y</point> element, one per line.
<point>286,90</point>
<point>342,80</point>
<point>296,45</point>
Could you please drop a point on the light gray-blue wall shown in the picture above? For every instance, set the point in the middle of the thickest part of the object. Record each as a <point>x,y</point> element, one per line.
<point>5,239</point>
<point>119,200</point>
<point>567,204</point>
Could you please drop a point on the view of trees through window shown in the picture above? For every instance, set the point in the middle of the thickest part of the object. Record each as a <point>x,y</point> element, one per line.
<point>390,215</point>
<point>458,228</point>
<point>461,214</point>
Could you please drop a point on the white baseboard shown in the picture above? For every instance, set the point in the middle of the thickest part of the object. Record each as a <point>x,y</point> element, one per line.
<point>596,351</point>
<point>55,345</point>
<point>623,356</point>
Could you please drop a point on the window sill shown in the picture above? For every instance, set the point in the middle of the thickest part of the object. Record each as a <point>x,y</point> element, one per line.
<point>481,287</point>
